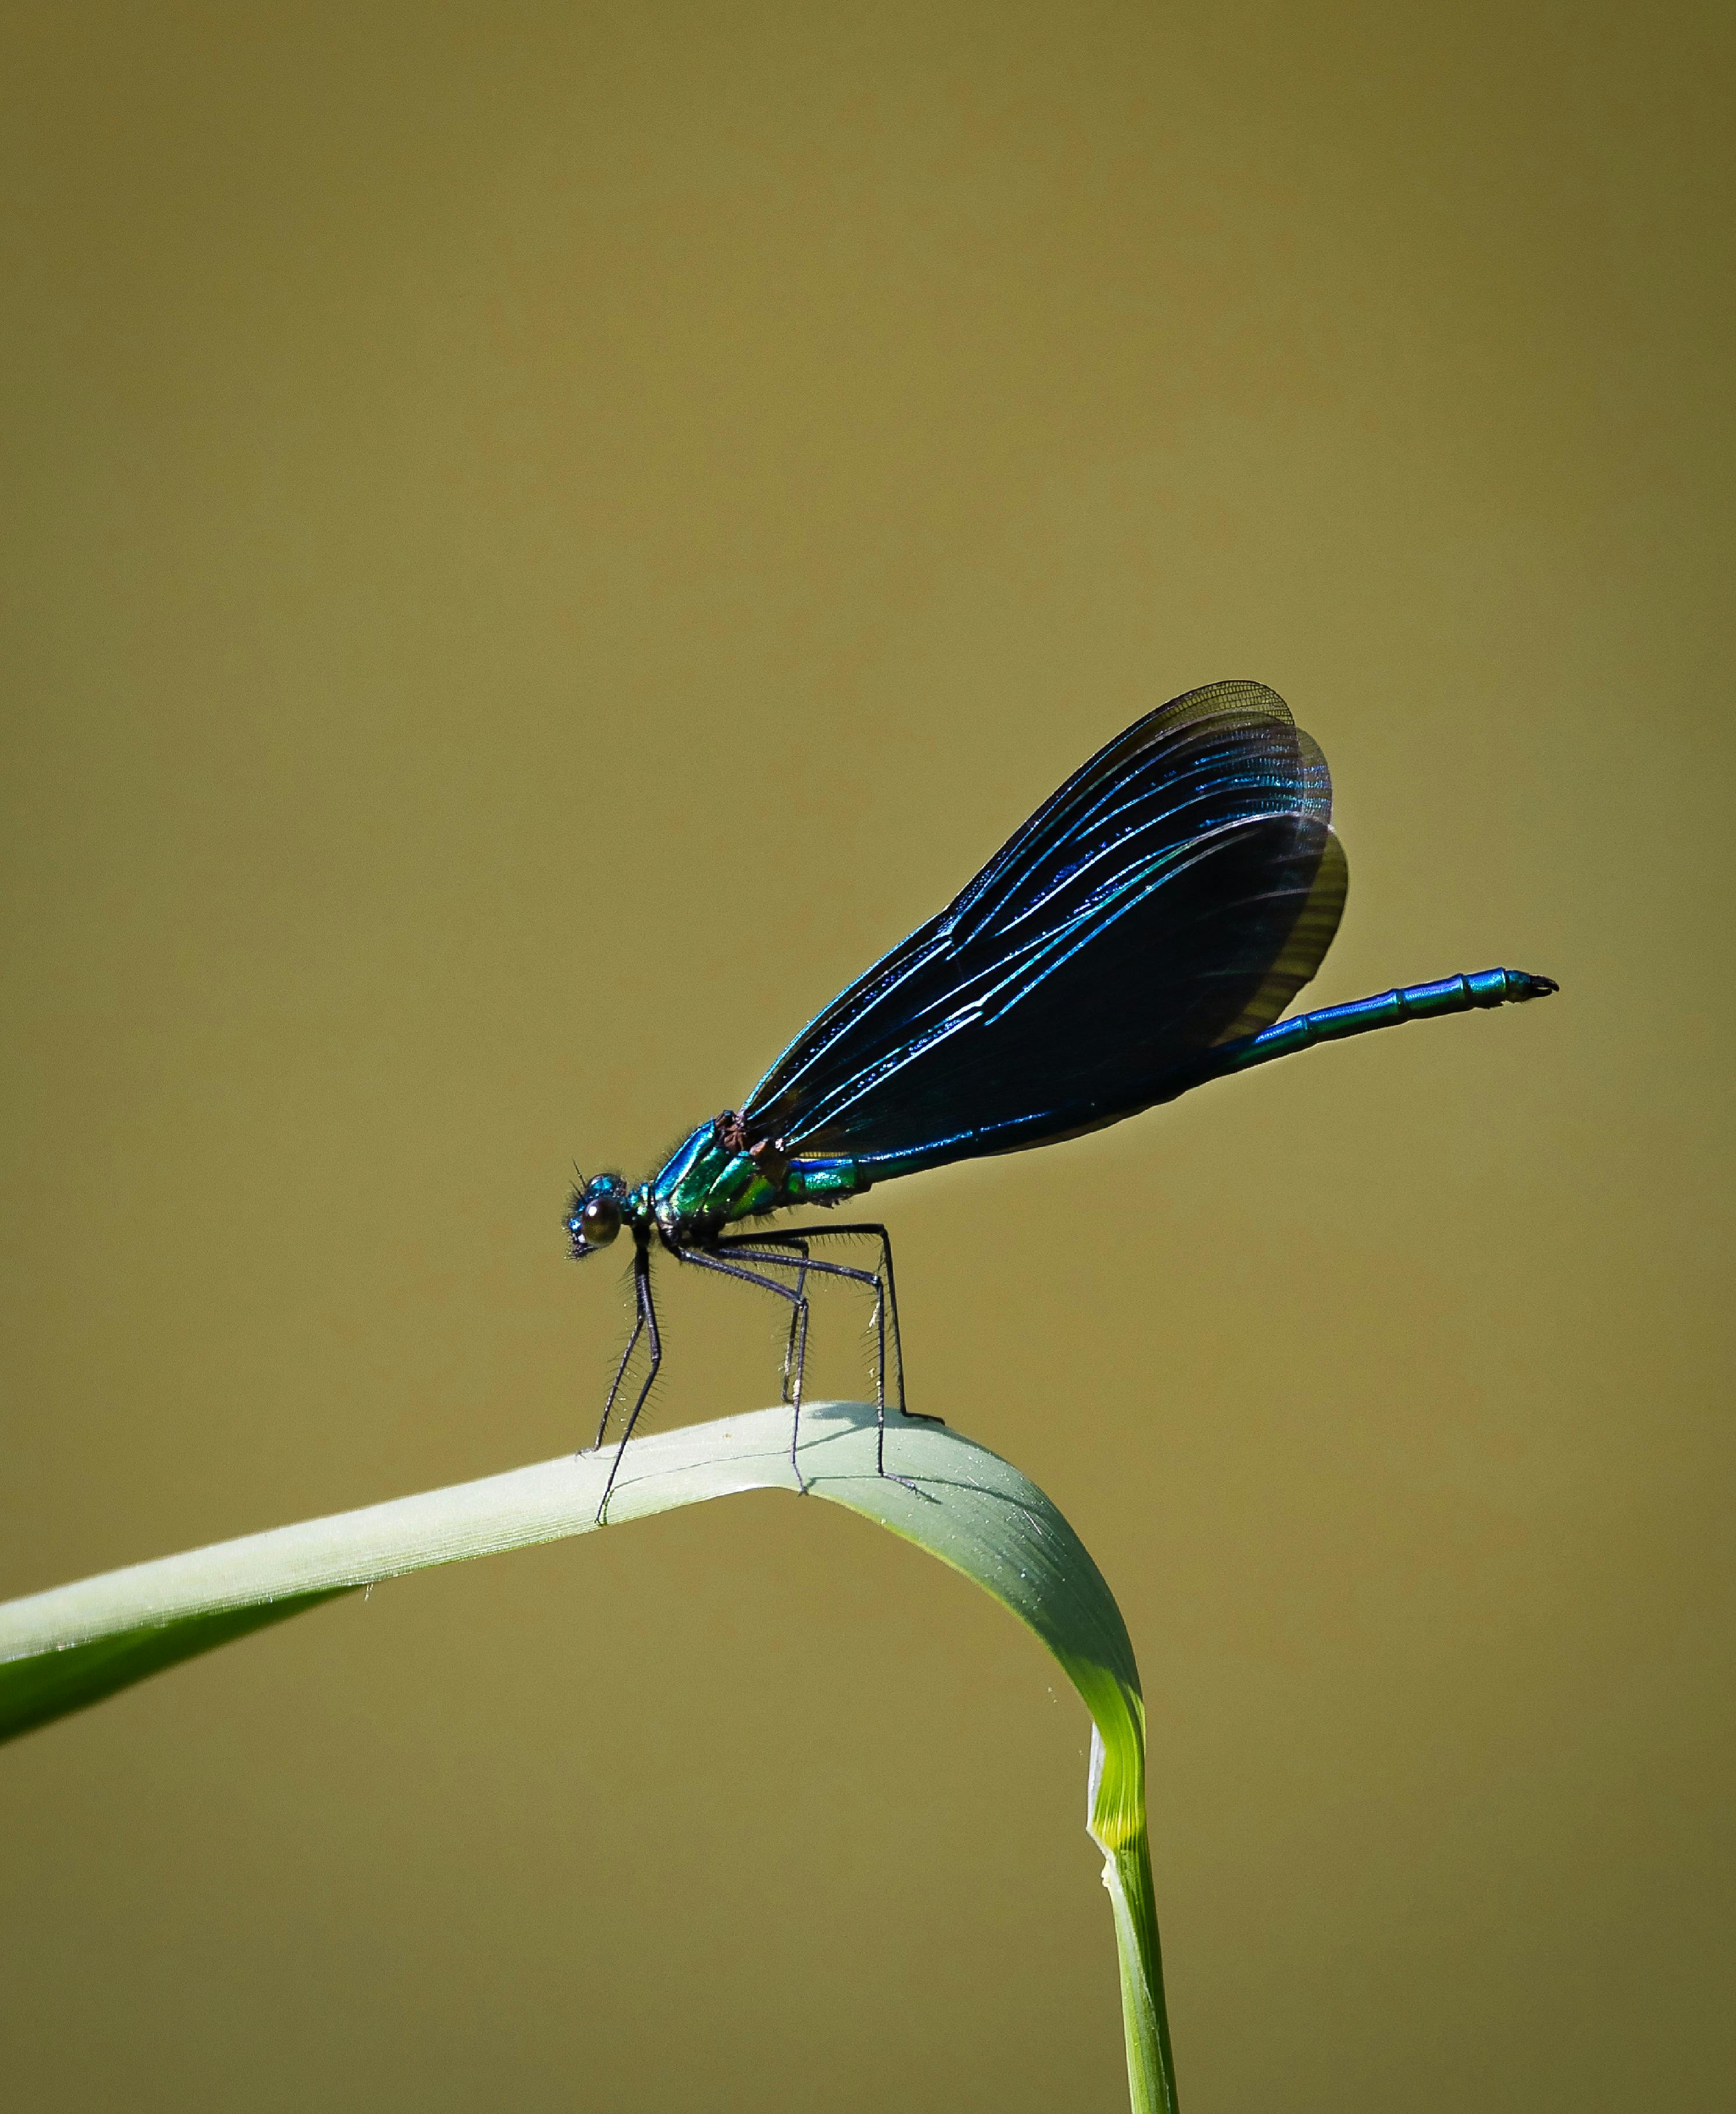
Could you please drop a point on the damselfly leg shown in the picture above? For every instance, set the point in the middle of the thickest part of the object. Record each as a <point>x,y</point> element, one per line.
<point>798,1322</point>
<point>621,1371</point>
<point>763,1248</point>
<point>757,1246</point>
<point>644,1324</point>
<point>790,1252</point>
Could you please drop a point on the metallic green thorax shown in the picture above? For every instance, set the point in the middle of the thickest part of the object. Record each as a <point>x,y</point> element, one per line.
<point>714,1178</point>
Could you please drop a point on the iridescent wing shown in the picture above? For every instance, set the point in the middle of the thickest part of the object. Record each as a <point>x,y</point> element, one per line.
<point>1174,894</point>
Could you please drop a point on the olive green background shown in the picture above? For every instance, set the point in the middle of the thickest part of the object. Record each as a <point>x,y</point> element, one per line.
<point>541,538</point>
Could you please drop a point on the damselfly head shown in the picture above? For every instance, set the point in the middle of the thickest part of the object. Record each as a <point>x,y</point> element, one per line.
<point>593,1214</point>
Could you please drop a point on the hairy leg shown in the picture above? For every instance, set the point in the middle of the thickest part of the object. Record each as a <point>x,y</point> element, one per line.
<point>885,1310</point>
<point>647,1321</point>
<point>704,1258</point>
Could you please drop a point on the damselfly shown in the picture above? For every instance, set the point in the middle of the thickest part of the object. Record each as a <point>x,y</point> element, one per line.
<point>1140,936</point>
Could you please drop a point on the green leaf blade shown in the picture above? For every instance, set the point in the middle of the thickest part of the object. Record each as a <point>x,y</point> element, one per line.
<point>64,1649</point>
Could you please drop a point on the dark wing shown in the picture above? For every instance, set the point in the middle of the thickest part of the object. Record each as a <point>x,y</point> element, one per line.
<point>1176,893</point>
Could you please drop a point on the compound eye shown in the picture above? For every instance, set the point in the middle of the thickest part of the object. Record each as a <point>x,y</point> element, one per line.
<point>599,1222</point>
